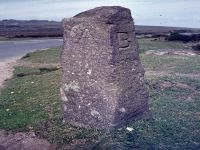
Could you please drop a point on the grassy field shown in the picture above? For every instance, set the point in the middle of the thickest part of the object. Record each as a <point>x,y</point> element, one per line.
<point>30,102</point>
<point>152,44</point>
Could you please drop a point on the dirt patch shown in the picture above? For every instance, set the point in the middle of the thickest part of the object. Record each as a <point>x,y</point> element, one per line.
<point>184,86</point>
<point>23,141</point>
<point>188,97</point>
<point>156,73</point>
<point>168,84</point>
<point>189,75</point>
<point>172,52</point>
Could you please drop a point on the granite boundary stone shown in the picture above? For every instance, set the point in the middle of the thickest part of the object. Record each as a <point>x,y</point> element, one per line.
<point>103,79</point>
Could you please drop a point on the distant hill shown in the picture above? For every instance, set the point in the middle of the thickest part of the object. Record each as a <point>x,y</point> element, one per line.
<point>31,28</point>
<point>44,28</point>
<point>140,29</point>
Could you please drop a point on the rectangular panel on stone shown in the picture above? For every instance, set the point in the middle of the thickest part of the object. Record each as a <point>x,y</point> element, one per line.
<point>103,79</point>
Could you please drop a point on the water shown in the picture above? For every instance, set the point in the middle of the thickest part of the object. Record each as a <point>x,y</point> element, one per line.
<point>17,48</point>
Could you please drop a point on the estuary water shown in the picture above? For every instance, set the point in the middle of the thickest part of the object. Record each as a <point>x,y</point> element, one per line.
<point>18,48</point>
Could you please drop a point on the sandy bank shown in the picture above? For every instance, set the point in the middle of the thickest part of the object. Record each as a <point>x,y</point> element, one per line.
<point>6,69</point>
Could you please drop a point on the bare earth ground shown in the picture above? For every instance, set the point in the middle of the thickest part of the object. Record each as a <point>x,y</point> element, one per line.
<point>172,52</point>
<point>22,141</point>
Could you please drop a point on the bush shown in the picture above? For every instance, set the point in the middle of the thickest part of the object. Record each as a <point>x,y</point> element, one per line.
<point>196,47</point>
<point>27,55</point>
<point>176,36</point>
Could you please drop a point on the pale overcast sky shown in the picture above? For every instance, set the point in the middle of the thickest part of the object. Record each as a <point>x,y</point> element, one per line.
<point>182,13</point>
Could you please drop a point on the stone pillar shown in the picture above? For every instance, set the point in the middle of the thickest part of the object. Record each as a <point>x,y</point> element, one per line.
<point>103,79</point>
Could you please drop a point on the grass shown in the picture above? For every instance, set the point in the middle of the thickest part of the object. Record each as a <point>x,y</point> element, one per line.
<point>24,100</point>
<point>173,64</point>
<point>150,44</point>
<point>31,102</point>
<point>50,56</point>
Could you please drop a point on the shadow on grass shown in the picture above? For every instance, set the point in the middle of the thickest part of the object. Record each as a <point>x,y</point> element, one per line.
<point>41,72</point>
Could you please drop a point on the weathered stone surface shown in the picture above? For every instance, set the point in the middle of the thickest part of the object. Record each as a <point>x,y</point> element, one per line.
<point>103,79</point>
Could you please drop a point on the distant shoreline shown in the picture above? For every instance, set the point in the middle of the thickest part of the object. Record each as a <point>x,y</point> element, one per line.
<point>50,29</point>
<point>19,47</point>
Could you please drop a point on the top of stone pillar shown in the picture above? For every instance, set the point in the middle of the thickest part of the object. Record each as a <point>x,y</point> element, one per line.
<point>108,14</point>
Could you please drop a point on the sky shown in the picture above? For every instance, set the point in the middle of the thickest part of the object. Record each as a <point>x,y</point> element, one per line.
<point>179,13</point>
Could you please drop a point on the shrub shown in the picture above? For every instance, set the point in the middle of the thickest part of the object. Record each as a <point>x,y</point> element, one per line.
<point>176,36</point>
<point>196,47</point>
<point>27,55</point>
